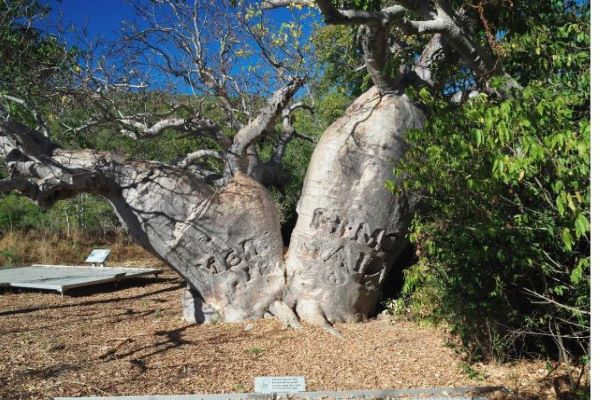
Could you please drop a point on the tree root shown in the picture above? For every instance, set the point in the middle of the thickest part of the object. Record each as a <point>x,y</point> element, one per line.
<point>288,317</point>
<point>285,314</point>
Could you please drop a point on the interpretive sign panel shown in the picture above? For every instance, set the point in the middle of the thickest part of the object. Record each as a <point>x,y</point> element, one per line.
<point>279,384</point>
<point>98,256</point>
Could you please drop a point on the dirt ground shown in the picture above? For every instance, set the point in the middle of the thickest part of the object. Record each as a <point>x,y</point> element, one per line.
<point>132,341</point>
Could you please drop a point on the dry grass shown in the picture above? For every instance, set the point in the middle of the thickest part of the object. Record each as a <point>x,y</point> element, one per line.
<point>132,341</point>
<point>23,248</point>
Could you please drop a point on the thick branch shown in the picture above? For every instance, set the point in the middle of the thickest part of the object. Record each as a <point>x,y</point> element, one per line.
<point>443,20</point>
<point>19,184</point>
<point>262,123</point>
<point>431,53</point>
<point>375,50</point>
<point>197,126</point>
<point>17,136</point>
<point>45,173</point>
<point>199,155</point>
<point>422,72</point>
<point>271,4</point>
<point>393,15</point>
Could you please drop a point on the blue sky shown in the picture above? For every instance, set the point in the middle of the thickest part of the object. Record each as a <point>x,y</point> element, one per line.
<point>104,17</point>
<point>101,17</point>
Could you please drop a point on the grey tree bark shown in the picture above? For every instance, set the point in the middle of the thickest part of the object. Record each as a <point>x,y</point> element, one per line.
<point>350,227</point>
<point>226,241</point>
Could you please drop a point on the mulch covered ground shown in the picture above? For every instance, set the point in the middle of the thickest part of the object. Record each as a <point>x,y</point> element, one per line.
<point>132,341</point>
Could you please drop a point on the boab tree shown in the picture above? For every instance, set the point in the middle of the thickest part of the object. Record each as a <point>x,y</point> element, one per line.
<point>219,228</point>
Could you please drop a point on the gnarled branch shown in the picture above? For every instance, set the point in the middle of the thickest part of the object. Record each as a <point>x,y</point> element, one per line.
<point>261,124</point>
<point>202,154</point>
<point>271,4</point>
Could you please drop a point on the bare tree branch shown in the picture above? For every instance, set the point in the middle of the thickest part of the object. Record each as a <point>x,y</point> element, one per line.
<point>556,303</point>
<point>199,155</point>
<point>197,126</point>
<point>271,4</point>
<point>289,132</point>
<point>261,123</point>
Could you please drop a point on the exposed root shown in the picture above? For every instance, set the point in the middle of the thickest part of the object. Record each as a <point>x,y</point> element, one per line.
<point>285,314</point>
<point>288,317</point>
<point>327,327</point>
<point>311,312</point>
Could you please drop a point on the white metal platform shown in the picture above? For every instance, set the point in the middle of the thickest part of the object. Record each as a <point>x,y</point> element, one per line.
<point>62,277</point>
<point>449,393</point>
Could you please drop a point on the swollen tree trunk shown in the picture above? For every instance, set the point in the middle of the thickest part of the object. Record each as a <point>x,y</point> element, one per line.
<point>350,227</point>
<point>226,241</point>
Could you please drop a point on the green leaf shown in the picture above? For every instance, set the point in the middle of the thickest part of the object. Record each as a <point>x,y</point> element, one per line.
<point>570,202</point>
<point>567,239</point>
<point>576,274</point>
<point>560,204</point>
<point>582,225</point>
<point>478,137</point>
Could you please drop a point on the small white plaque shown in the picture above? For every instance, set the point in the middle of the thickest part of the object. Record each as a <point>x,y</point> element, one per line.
<point>279,384</point>
<point>98,256</point>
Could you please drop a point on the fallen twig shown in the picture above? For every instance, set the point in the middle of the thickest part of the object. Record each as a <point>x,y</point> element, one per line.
<point>112,350</point>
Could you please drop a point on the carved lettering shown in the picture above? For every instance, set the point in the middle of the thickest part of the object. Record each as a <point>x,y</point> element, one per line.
<point>316,218</point>
<point>363,262</point>
<point>355,230</point>
<point>232,259</point>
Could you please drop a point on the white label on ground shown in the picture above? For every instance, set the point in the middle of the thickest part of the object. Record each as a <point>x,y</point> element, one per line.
<point>279,384</point>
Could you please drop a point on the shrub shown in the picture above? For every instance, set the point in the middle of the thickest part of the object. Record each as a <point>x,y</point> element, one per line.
<point>504,232</point>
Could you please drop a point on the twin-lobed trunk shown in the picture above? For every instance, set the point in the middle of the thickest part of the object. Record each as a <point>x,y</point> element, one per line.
<point>227,243</point>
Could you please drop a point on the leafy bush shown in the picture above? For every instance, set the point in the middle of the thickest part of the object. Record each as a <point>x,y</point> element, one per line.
<point>504,232</point>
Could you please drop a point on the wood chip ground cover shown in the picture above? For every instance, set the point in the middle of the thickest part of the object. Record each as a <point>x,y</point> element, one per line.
<point>132,341</point>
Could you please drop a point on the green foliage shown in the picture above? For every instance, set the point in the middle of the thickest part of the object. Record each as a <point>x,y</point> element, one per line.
<point>83,213</point>
<point>10,257</point>
<point>471,373</point>
<point>337,50</point>
<point>16,213</point>
<point>255,351</point>
<point>504,232</point>
<point>31,62</point>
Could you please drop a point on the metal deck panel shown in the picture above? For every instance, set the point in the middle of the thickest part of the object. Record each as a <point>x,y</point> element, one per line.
<point>439,393</point>
<point>62,278</point>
